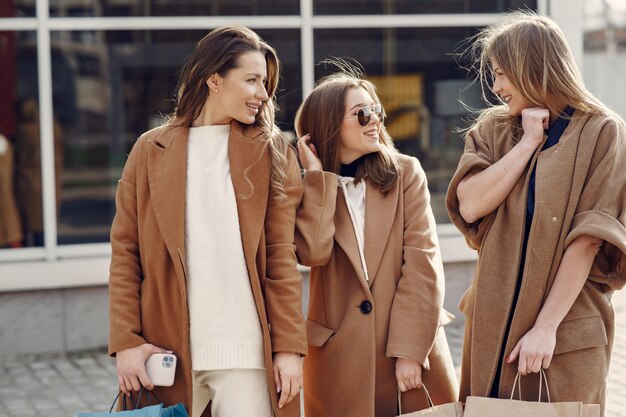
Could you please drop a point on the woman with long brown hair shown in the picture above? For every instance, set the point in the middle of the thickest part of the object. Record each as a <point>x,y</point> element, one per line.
<point>540,192</point>
<point>203,260</point>
<point>366,228</point>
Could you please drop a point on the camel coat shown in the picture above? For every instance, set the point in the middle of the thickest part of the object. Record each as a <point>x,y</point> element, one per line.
<point>580,190</point>
<point>147,285</point>
<point>10,226</point>
<point>350,367</point>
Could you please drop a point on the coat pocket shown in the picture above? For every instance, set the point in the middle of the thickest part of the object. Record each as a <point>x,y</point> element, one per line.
<point>317,334</point>
<point>582,333</point>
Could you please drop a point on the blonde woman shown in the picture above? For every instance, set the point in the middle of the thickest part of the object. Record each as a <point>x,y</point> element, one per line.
<point>540,192</point>
<point>203,258</point>
<point>366,229</point>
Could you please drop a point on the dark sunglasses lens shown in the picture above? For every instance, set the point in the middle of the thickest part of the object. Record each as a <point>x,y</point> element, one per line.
<point>363,115</point>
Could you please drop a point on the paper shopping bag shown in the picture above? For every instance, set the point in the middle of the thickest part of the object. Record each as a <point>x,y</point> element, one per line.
<point>497,407</point>
<point>443,410</point>
<point>151,411</point>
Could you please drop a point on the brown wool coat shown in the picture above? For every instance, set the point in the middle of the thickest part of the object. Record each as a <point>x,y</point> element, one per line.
<point>580,190</point>
<point>147,286</point>
<point>350,370</point>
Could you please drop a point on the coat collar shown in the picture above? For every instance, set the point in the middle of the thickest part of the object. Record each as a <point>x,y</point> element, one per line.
<point>167,177</point>
<point>380,212</point>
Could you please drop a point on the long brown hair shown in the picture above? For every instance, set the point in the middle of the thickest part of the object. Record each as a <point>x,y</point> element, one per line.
<point>534,55</point>
<point>321,116</point>
<point>219,52</point>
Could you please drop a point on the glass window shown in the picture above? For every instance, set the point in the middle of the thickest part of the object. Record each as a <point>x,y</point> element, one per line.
<point>18,8</point>
<point>82,8</point>
<point>419,83</point>
<point>21,209</point>
<point>110,87</point>
<point>356,7</point>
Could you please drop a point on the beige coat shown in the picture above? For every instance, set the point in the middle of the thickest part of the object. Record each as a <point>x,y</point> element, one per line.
<point>10,226</point>
<point>350,370</point>
<point>580,190</point>
<point>147,286</point>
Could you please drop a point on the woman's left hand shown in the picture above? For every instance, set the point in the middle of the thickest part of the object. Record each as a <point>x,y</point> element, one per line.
<point>534,349</point>
<point>287,376</point>
<point>408,374</point>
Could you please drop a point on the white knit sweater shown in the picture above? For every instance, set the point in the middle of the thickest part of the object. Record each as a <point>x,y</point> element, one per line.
<point>225,331</point>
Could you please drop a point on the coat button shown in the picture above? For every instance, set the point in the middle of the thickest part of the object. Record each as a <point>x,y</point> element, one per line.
<point>365,307</point>
<point>553,219</point>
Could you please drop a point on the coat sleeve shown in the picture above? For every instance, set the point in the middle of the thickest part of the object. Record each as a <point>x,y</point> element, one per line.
<point>10,225</point>
<point>315,225</point>
<point>601,210</point>
<point>476,157</point>
<point>125,275</point>
<point>417,308</point>
<point>283,283</point>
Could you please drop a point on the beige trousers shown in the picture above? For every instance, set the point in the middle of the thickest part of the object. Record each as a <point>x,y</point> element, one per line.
<point>232,393</point>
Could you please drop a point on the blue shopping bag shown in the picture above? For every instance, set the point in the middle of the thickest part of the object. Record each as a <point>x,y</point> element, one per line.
<point>150,411</point>
<point>177,410</point>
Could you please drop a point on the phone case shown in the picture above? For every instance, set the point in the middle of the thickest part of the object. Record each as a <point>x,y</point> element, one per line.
<point>161,368</point>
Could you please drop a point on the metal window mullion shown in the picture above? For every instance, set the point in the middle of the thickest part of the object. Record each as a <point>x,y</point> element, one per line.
<point>17,24</point>
<point>407,20</point>
<point>543,7</point>
<point>172,23</point>
<point>46,131</point>
<point>307,46</point>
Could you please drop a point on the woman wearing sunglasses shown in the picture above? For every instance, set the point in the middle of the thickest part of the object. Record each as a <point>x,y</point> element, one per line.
<point>366,229</point>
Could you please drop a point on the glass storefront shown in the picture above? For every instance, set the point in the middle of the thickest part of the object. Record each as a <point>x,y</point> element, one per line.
<point>111,83</point>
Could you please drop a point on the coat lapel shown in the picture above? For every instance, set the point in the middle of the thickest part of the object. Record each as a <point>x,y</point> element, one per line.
<point>167,178</point>
<point>346,238</point>
<point>250,174</point>
<point>380,212</point>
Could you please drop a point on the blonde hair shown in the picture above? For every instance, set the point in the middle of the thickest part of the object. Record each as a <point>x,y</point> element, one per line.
<point>321,116</point>
<point>534,55</point>
<point>219,52</point>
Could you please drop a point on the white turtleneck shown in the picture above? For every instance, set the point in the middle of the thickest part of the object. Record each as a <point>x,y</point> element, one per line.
<point>225,331</point>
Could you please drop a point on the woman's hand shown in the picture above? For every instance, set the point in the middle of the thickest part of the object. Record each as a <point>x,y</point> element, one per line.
<point>535,350</point>
<point>408,374</point>
<point>131,368</point>
<point>535,121</point>
<point>308,154</point>
<point>287,376</point>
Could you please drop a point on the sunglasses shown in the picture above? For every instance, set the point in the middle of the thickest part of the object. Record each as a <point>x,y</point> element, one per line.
<point>364,114</point>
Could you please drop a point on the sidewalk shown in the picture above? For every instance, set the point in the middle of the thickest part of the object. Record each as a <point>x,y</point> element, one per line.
<point>49,386</point>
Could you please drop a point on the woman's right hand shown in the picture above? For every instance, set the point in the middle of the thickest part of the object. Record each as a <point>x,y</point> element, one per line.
<point>308,154</point>
<point>131,368</point>
<point>535,121</point>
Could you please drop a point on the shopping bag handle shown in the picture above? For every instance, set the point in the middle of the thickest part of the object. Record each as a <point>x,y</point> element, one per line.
<point>124,407</point>
<point>430,401</point>
<point>542,380</point>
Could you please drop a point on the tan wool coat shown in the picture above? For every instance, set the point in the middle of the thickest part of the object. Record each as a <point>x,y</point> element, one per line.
<point>147,286</point>
<point>580,190</point>
<point>350,367</point>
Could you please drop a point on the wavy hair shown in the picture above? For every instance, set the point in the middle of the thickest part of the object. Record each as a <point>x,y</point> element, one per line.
<point>534,55</point>
<point>321,116</point>
<point>219,52</point>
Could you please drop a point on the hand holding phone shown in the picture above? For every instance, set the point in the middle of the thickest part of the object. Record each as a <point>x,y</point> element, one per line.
<point>161,368</point>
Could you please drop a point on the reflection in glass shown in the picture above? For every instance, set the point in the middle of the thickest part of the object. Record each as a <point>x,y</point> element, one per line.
<point>84,8</point>
<point>420,84</point>
<point>17,8</point>
<point>117,85</point>
<point>21,213</point>
<point>356,7</point>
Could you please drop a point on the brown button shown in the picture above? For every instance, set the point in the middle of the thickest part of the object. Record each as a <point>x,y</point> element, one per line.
<point>553,219</point>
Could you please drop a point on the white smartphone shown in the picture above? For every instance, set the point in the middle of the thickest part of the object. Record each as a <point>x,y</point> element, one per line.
<point>161,368</point>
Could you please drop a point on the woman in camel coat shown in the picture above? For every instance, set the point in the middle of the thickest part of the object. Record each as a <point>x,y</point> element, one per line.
<point>154,287</point>
<point>546,211</point>
<point>375,313</point>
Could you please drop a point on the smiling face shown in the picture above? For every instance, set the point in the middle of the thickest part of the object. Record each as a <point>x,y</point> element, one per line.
<point>507,92</point>
<point>357,140</point>
<point>241,92</point>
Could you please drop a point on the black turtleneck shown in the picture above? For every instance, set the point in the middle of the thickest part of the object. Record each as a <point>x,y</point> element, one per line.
<point>349,170</point>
